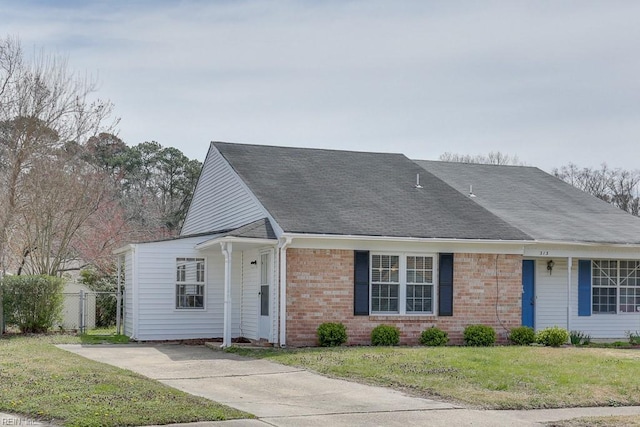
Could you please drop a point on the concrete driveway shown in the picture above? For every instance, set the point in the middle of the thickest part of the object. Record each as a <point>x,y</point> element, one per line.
<point>284,396</point>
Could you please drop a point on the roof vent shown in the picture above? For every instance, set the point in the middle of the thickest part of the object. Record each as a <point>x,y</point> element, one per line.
<point>418,181</point>
<point>471,192</point>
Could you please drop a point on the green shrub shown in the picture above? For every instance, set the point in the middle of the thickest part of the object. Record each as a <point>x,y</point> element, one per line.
<point>634,337</point>
<point>552,337</point>
<point>434,337</point>
<point>32,303</point>
<point>331,334</point>
<point>385,335</point>
<point>522,335</point>
<point>479,336</point>
<point>579,338</point>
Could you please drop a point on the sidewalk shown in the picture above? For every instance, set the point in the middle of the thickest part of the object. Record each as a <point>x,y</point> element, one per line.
<point>284,396</point>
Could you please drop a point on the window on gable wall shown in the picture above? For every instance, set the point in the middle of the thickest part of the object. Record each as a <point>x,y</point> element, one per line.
<point>616,286</point>
<point>190,283</point>
<point>402,284</point>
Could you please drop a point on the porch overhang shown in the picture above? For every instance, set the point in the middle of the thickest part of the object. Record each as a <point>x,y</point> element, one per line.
<point>228,245</point>
<point>239,243</point>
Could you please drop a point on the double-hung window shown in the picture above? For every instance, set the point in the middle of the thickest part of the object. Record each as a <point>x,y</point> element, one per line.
<point>402,284</point>
<point>385,283</point>
<point>419,284</point>
<point>615,286</point>
<point>190,283</point>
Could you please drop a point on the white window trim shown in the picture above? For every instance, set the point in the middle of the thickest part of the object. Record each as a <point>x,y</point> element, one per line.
<point>402,292</point>
<point>618,287</point>
<point>204,284</point>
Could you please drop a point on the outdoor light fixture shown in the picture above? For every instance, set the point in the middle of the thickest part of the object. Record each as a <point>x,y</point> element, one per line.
<point>550,265</point>
<point>254,262</point>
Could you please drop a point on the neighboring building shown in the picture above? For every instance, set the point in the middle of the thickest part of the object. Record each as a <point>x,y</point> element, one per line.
<point>363,243</point>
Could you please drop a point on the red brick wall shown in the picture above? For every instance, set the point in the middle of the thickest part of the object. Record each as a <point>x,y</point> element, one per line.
<point>320,289</point>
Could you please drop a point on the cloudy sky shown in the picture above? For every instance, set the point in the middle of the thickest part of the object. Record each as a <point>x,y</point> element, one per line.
<point>552,82</point>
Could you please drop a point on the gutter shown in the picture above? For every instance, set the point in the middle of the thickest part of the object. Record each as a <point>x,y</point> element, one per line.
<point>454,240</point>
<point>405,239</point>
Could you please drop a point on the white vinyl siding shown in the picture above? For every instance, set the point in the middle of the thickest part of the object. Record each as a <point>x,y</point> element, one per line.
<point>551,305</point>
<point>221,201</point>
<point>157,315</point>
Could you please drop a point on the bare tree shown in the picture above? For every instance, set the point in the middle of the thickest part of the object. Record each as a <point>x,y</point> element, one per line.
<point>493,158</point>
<point>619,187</point>
<point>61,194</point>
<point>44,106</point>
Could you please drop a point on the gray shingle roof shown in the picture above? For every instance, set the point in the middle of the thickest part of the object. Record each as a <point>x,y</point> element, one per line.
<point>356,193</point>
<point>260,229</point>
<point>539,204</point>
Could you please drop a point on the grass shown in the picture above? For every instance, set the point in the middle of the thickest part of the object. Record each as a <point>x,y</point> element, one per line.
<point>492,377</point>
<point>103,336</point>
<point>627,420</point>
<point>39,380</point>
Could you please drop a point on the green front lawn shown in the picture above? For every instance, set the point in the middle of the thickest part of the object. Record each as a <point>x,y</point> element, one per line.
<point>487,377</point>
<point>39,380</point>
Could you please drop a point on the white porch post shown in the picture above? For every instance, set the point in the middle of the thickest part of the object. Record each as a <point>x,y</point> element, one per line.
<point>283,290</point>
<point>227,252</point>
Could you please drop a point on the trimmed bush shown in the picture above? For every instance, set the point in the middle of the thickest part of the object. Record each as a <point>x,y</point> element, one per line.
<point>522,335</point>
<point>32,303</point>
<point>479,336</point>
<point>552,337</point>
<point>385,335</point>
<point>331,334</point>
<point>434,337</point>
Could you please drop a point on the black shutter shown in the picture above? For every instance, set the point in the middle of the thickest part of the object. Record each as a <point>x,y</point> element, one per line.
<point>361,283</point>
<point>445,285</point>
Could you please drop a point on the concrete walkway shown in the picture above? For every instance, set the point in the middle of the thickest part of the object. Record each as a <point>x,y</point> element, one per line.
<point>284,396</point>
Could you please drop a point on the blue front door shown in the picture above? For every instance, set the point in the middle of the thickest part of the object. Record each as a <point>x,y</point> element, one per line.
<point>528,293</point>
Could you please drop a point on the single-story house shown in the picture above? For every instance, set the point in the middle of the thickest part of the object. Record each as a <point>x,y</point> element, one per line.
<point>278,240</point>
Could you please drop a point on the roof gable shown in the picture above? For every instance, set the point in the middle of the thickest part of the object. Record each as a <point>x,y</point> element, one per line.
<point>357,193</point>
<point>220,200</point>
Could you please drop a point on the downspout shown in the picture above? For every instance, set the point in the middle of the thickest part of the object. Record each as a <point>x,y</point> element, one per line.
<point>118,295</point>
<point>569,268</point>
<point>136,290</point>
<point>283,290</point>
<point>226,334</point>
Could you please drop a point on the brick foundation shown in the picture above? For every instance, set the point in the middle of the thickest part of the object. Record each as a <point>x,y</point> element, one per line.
<point>320,289</point>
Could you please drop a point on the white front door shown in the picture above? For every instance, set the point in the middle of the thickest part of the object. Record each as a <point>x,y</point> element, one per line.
<point>263,295</point>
